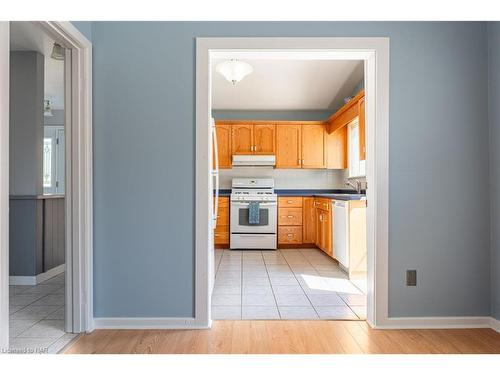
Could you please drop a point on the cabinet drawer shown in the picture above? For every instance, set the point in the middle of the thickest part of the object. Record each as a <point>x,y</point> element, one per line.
<point>290,216</point>
<point>290,202</point>
<point>221,235</point>
<point>322,203</point>
<point>290,234</point>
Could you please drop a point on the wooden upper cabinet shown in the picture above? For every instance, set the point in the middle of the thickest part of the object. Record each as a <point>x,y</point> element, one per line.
<point>223,145</point>
<point>264,137</point>
<point>362,121</point>
<point>308,220</point>
<point>288,146</point>
<point>336,149</point>
<point>313,148</point>
<point>242,139</point>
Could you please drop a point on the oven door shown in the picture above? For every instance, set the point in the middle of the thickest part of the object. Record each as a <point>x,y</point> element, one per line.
<point>267,218</point>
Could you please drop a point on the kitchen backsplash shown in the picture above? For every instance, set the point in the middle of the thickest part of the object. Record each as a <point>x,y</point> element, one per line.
<point>289,178</point>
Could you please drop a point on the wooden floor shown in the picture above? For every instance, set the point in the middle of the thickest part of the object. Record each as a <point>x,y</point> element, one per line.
<point>292,337</point>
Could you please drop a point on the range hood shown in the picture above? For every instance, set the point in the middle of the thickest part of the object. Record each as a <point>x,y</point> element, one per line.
<point>254,160</point>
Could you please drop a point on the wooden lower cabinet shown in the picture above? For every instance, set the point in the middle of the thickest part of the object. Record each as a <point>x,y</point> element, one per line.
<point>324,236</point>
<point>221,233</point>
<point>290,234</point>
<point>289,216</point>
<point>308,221</point>
<point>289,221</point>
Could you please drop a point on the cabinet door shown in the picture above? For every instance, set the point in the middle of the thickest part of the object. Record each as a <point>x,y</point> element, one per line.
<point>313,146</point>
<point>319,229</point>
<point>336,149</point>
<point>362,121</point>
<point>223,145</point>
<point>242,139</point>
<point>309,220</point>
<point>327,233</point>
<point>264,139</point>
<point>288,146</point>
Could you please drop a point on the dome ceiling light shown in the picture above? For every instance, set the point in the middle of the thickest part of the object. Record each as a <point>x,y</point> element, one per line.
<point>234,70</point>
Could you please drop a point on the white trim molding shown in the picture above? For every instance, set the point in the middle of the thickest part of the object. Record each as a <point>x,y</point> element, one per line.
<point>495,324</point>
<point>79,210</point>
<point>79,241</point>
<point>4,182</point>
<point>375,53</point>
<point>145,323</point>
<point>40,278</point>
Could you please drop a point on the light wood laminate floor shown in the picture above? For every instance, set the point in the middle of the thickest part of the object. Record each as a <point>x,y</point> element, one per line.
<point>288,337</point>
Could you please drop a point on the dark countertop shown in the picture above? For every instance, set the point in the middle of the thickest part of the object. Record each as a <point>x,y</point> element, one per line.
<point>343,197</point>
<point>323,193</point>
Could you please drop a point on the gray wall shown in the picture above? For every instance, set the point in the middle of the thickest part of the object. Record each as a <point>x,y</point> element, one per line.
<point>144,150</point>
<point>36,235</point>
<point>25,237</point>
<point>56,119</point>
<point>272,115</point>
<point>494,121</point>
<point>26,122</point>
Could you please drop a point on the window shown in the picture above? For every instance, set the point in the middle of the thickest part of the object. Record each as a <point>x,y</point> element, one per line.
<point>47,164</point>
<point>53,160</point>
<point>357,167</point>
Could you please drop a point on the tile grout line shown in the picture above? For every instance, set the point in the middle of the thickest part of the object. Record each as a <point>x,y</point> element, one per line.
<point>271,285</point>
<point>301,287</point>
<point>37,320</point>
<point>347,304</point>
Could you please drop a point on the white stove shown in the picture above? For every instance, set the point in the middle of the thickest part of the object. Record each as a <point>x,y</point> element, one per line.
<point>246,235</point>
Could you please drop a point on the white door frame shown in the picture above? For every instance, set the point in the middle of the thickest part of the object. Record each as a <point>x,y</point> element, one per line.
<point>375,53</point>
<point>79,213</point>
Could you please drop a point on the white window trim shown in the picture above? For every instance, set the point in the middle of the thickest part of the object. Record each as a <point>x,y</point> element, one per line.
<point>79,314</point>
<point>375,53</point>
<point>58,187</point>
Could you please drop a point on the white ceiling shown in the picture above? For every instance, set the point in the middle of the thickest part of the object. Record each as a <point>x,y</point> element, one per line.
<point>24,36</point>
<point>288,85</point>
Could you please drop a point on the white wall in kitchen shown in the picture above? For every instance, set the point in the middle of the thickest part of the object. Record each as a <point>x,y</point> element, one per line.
<point>289,178</point>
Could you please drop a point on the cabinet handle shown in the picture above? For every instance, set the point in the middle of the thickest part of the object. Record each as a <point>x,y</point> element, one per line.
<point>289,202</point>
<point>298,161</point>
<point>290,235</point>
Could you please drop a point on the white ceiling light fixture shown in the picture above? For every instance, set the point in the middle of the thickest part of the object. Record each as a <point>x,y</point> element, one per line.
<point>57,52</point>
<point>47,109</point>
<point>234,70</point>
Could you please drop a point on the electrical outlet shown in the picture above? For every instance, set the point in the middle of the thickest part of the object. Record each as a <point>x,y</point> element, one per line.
<point>411,277</point>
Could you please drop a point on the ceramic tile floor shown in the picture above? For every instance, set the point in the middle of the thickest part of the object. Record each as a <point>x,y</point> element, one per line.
<point>37,317</point>
<point>284,284</point>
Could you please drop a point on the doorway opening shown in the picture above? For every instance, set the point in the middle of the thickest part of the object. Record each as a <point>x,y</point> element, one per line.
<point>288,141</point>
<point>310,272</point>
<point>45,206</point>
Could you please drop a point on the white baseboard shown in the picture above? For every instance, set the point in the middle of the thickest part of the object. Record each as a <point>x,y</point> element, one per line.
<point>146,323</point>
<point>439,322</point>
<point>50,273</point>
<point>35,280</point>
<point>22,280</point>
<point>495,324</point>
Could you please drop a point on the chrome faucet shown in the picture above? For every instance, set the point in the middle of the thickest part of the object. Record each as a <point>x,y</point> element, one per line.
<point>356,185</point>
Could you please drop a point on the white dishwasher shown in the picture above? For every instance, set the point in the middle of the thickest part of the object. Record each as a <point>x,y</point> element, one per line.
<point>340,231</point>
